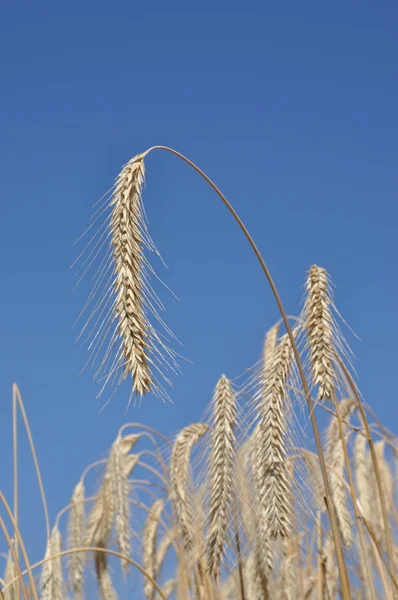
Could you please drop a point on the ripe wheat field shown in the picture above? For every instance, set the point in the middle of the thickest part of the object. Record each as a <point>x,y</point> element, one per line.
<point>237,506</point>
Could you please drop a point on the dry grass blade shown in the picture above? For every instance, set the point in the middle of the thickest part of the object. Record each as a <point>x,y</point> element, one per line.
<point>180,480</point>
<point>76,527</point>
<point>222,469</point>
<point>149,546</point>
<point>319,329</point>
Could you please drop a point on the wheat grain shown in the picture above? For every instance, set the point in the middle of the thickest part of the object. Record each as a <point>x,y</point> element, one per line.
<point>319,329</point>
<point>149,546</point>
<point>222,468</point>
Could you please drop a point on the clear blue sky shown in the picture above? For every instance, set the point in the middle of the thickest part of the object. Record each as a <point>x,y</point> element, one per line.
<point>290,107</point>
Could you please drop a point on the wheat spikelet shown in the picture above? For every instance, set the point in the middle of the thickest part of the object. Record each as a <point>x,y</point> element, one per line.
<point>149,546</point>
<point>76,527</point>
<point>319,329</point>
<point>361,474</point>
<point>334,456</point>
<point>51,582</point>
<point>222,462</point>
<point>270,446</point>
<point>330,567</point>
<point>179,479</point>
<point>9,576</point>
<point>164,546</point>
<point>120,493</point>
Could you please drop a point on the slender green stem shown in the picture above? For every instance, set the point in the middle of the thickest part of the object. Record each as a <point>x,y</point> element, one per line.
<point>342,567</point>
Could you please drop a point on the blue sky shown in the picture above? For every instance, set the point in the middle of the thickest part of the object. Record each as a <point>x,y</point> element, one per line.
<point>291,108</point>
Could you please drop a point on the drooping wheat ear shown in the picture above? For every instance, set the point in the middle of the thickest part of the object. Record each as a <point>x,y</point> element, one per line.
<point>76,528</point>
<point>180,480</point>
<point>315,482</point>
<point>51,576</point>
<point>120,496</point>
<point>270,447</point>
<point>222,469</point>
<point>149,546</point>
<point>361,462</point>
<point>163,548</point>
<point>319,330</point>
<point>128,236</point>
<point>9,576</point>
<point>334,456</point>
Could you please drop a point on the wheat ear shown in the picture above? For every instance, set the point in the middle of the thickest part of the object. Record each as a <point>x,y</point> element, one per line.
<point>334,456</point>
<point>361,462</point>
<point>149,546</point>
<point>120,497</point>
<point>76,528</point>
<point>270,446</point>
<point>51,576</point>
<point>9,576</point>
<point>319,329</point>
<point>180,479</point>
<point>222,468</point>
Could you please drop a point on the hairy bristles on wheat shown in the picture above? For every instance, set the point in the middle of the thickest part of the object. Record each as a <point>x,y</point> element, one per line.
<point>319,329</point>
<point>180,479</point>
<point>149,555</point>
<point>76,528</point>
<point>222,468</point>
<point>270,444</point>
<point>334,456</point>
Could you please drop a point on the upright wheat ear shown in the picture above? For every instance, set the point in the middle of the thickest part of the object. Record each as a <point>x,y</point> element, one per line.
<point>222,467</point>
<point>319,329</point>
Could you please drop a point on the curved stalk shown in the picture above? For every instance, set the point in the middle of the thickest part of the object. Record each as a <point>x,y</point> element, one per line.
<point>342,567</point>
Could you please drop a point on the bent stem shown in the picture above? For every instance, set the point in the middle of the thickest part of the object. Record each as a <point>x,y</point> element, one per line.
<point>342,567</point>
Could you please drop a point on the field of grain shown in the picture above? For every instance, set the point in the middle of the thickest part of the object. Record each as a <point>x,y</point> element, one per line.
<point>255,502</point>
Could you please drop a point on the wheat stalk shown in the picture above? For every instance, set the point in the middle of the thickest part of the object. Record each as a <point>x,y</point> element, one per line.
<point>222,469</point>
<point>149,556</point>
<point>319,328</point>
<point>179,479</point>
